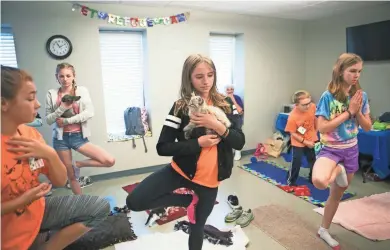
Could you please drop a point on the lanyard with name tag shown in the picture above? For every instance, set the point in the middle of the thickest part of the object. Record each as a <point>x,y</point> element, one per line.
<point>35,163</point>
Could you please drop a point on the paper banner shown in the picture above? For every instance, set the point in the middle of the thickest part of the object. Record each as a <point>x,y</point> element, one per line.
<point>134,22</point>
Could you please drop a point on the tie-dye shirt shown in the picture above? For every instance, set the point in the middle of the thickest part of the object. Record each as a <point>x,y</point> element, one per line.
<point>345,135</point>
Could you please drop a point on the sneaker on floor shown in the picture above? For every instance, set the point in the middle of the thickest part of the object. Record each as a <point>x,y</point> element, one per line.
<point>245,218</point>
<point>237,155</point>
<point>84,181</point>
<point>234,215</point>
<point>232,200</point>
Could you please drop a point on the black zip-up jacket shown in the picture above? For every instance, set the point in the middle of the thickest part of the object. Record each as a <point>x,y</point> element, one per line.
<point>186,152</point>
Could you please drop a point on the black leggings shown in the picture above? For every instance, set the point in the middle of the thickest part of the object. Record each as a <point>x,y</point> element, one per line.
<point>156,191</point>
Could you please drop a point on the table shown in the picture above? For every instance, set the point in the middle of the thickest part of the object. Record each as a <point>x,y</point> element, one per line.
<point>375,143</point>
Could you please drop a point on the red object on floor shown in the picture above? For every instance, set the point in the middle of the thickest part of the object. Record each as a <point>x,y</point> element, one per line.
<point>297,190</point>
<point>302,191</point>
<point>174,213</point>
<point>286,188</point>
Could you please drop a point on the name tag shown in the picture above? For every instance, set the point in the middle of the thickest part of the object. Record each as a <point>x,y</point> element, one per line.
<point>35,163</point>
<point>301,130</point>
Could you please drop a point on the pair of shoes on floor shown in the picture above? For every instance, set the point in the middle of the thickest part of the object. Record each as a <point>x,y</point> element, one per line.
<point>84,181</point>
<point>242,217</point>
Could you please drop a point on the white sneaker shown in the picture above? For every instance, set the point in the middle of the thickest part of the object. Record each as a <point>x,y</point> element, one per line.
<point>237,155</point>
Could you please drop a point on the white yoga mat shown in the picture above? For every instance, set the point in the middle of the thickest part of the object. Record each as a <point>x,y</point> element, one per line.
<point>178,240</point>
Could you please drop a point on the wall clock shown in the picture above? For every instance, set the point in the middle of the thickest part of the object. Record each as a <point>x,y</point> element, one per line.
<point>59,47</point>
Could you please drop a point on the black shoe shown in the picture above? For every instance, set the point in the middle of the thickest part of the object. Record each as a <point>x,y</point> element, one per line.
<point>233,201</point>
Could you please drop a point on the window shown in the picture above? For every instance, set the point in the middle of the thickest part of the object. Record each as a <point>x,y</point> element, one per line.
<point>122,59</point>
<point>222,52</point>
<point>7,48</point>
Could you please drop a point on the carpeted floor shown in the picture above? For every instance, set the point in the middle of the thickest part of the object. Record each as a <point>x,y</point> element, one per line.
<point>368,216</point>
<point>289,229</point>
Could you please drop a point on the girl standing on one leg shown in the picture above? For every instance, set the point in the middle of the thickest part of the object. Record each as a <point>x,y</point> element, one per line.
<point>70,121</point>
<point>25,212</point>
<point>199,163</point>
<point>341,109</point>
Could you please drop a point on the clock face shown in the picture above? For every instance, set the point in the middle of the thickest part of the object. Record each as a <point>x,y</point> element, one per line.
<point>59,47</point>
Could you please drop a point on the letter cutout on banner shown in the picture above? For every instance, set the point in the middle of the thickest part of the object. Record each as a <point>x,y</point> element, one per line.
<point>142,22</point>
<point>167,20</point>
<point>84,10</point>
<point>173,19</point>
<point>120,21</point>
<point>111,18</point>
<point>102,15</point>
<point>181,17</point>
<point>158,20</point>
<point>149,22</point>
<point>93,12</point>
<point>127,21</point>
<point>134,22</point>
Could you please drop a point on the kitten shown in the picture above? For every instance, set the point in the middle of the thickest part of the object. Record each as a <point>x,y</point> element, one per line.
<point>198,105</point>
<point>69,98</point>
<point>154,215</point>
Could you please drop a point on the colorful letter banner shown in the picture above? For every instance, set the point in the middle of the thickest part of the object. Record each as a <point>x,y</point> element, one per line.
<point>134,22</point>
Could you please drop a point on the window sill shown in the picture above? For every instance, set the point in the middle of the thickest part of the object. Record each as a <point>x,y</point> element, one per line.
<point>121,137</point>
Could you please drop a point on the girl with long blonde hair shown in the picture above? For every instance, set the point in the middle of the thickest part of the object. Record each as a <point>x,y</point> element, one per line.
<point>340,111</point>
<point>199,163</point>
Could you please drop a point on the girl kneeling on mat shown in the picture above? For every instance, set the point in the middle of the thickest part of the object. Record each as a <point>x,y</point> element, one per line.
<point>25,212</point>
<point>341,109</point>
<point>199,163</point>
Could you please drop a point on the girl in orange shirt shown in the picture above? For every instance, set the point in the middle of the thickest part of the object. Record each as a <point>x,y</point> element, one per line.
<point>198,163</point>
<point>25,212</point>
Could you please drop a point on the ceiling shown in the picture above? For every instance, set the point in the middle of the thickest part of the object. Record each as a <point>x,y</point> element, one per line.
<point>299,10</point>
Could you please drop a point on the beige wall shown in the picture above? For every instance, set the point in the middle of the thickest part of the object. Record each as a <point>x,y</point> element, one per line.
<point>273,62</point>
<point>325,40</point>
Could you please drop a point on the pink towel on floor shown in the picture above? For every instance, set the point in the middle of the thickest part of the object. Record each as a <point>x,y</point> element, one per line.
<point>368,216</point>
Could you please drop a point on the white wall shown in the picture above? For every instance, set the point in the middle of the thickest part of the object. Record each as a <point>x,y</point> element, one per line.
<point>325,40</point>
<point>273,62</point>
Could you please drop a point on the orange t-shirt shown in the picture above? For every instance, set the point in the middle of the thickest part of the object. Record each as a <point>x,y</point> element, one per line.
<point>20,228</point>
<point>207,167</point>
<point>306,120</point>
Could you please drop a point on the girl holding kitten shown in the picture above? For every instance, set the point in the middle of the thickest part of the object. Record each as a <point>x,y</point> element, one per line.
<point>199,163</point>
<point>340,111</point>
<point>70,121</point>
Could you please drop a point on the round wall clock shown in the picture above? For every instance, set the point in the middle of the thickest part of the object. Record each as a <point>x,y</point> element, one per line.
<point>59,47</point>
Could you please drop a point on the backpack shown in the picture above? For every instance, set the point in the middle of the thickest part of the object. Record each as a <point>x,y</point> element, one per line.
<point>134,124</point>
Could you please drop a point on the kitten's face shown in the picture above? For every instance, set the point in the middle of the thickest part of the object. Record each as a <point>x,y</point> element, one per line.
<point>195,103</point>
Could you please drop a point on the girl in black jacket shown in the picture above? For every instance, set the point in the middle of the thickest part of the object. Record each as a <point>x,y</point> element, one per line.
<point>198,163</point>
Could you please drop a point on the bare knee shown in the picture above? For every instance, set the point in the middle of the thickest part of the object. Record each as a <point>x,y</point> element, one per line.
<point>320,182</point>
<point>109,162</point>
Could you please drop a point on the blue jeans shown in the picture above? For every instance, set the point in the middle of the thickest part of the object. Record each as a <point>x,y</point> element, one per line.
<point>69,141</point>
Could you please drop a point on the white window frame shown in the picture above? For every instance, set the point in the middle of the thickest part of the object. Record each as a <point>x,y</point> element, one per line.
<point>121,68</point>
<point>223,53</point>
<point>7,47</point>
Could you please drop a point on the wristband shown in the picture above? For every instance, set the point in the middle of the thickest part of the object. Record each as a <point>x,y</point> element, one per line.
<point>349,113</point>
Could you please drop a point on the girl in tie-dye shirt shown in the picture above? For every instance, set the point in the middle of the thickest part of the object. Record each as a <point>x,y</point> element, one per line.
<point>340,111</point>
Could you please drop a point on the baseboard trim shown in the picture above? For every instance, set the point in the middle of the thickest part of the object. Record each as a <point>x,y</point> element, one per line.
<point>144,170</point>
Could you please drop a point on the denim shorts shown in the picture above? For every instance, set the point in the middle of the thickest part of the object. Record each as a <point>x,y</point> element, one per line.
<point>69,141</point>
